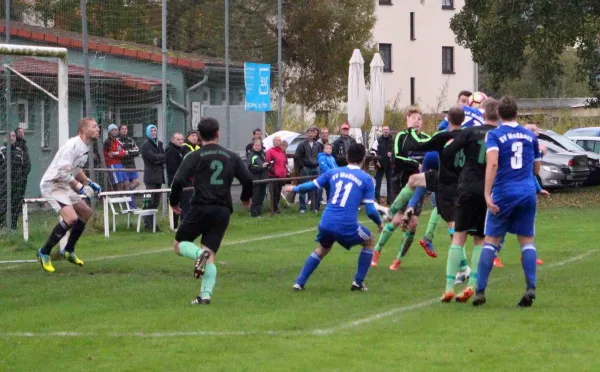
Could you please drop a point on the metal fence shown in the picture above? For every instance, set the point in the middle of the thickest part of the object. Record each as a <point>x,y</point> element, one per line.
<point>131,63</point>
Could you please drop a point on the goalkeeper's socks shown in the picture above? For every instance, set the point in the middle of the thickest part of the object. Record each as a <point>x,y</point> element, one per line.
<point>59,231</point>
<point>310,265</point>
<point>76,232</point>
<point>454,257</point>
<point>189,250</point>
<point>208,280</point>
<point>486,263</point>
<point>405,194</point>
<point>364,263</point>
<point>434,220</point>
<point>407,240</point>
<point>417,197</point>
<point>474,265</point>
<point>529,264</point>
<point>386,234</point>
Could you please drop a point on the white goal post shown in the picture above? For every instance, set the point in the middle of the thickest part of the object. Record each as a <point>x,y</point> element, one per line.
<point>63,79</point>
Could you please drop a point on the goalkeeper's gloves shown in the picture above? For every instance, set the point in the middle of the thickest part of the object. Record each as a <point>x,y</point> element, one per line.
<point>86,191</point>
<point>97,189</point>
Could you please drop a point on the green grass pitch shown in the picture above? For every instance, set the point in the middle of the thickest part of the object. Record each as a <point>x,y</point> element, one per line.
<point>128,308</point>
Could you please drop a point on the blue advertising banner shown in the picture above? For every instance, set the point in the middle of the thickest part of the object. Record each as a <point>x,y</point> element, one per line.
<point>257,78</point>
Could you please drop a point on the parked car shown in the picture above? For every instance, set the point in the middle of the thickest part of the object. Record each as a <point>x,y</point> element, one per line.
<point>562,168</point>
<point>589,131</point>
<point>293,139</point>
<point>593,159</point>
<point>591,144</point>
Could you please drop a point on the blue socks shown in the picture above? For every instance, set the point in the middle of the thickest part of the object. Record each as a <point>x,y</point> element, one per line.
<point>529,264</point>
<point>417,197</point>
<point>309,266</point>
<point>364,263</point>
<point>486,263</point>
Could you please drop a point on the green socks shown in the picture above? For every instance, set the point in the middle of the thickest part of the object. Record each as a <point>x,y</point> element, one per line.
<point>401,200</point>
<point>434,220</point>
<point>407,240</point>
<point>454,257</point>
<point>474,264</point>
<point>386,234</point>
<point>189,250</point>
<point>463,261</point>
<point>208,280</point>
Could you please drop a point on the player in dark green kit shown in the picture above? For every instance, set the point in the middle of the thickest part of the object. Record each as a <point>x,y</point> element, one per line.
<point>213,168</point>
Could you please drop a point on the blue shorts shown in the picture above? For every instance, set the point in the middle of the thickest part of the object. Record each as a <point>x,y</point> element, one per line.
<point>117,177</point>
<point>345,238</point>
<point>131,176</point>
<point>516,216</point>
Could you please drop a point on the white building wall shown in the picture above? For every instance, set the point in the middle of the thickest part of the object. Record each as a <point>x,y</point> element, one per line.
<point>422,58</point>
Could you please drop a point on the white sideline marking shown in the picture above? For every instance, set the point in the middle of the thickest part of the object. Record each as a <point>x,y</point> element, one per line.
<point>313,332</point>
<point>162,250</point>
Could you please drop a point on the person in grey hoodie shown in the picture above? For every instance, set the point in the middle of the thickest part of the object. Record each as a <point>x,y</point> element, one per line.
<point>342,144</point>
<point>306,158</point>
<point>154,157</point>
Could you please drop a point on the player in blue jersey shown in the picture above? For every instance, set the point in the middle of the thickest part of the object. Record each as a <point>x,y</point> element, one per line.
<point>513,159</point>
<point>473,115</point>
<point>350,187</point>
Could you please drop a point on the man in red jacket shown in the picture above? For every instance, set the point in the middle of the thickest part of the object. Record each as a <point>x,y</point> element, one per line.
<point>113,152</point>
<point>277,159</point>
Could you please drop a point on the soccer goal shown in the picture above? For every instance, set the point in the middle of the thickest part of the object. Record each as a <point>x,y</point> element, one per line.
<point>35,84</point>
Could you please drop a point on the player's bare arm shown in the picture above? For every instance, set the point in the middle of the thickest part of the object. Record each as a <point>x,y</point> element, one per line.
<point>490,175</point>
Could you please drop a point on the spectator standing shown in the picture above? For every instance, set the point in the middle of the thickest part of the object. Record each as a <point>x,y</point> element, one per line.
<point>191,143</point>
<point>17,168</point>
<point>113,152</point>
<point>342,144</point>
<point>326,163</point>
<point>257,134</point>
<point>276,155</point>
<point>154,158</point>
<point>21,177</point>
<point>174,156</point>
<point>385,149</point>
<point>259,169</point>
<point>324,137</point>
<point>132,178</point>
<point>306,158</point>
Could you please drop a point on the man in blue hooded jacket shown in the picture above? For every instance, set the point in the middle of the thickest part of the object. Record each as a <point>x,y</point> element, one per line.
<point>154,158</point>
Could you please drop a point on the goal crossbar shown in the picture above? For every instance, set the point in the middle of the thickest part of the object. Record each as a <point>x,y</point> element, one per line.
<point>63,77</point>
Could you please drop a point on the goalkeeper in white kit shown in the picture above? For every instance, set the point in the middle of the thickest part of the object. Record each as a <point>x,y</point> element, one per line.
<point>65,190</point>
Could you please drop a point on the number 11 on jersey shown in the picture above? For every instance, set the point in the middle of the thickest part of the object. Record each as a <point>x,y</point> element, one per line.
<point>338,188</point>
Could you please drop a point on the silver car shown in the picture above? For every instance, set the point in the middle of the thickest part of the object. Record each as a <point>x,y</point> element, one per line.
<point>562,168</point>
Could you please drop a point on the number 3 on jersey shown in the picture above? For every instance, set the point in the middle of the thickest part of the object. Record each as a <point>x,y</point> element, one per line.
<point>516,161</point>
<point>338,189</point>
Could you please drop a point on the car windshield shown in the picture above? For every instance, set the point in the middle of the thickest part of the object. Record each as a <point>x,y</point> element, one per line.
<point>565,142</point>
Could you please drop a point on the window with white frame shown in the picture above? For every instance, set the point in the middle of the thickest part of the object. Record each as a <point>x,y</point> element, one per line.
<point>44,129</point>
<point>448,4</point>
<point>23,113</point>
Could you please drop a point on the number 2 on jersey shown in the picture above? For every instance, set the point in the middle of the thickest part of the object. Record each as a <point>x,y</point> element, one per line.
<point>338,189</point>
<point>217,167</point>
<point>516,161</point>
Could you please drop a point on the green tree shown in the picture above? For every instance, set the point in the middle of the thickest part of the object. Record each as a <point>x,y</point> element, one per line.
<point>510,37</point>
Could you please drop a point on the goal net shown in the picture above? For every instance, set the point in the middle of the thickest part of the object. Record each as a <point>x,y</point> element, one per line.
<point>33,124</point>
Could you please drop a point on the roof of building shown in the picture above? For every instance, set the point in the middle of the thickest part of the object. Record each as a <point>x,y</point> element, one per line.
<point>114,47</point>
<point>553,103</point>
<point>28,65</point>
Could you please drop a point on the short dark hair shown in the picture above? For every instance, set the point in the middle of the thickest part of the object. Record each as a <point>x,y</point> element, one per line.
<point>256,131</point>
<point>490,108</point>
<point>456,115</point>
<point>123,125</point>
<point>356,153</point>
<point>507,109</point>
<point>465,93</point>
<point>208,129</point>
